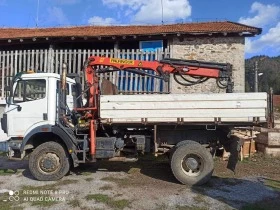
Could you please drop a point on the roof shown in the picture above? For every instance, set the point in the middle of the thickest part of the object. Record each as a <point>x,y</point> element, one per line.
<point>129,30</point>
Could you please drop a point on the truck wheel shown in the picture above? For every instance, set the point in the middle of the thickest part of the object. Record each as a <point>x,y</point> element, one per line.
<point>49,162</point>
<point>192,164</point>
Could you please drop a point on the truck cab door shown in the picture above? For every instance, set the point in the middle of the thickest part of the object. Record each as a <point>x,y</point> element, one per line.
<point>28,106</point>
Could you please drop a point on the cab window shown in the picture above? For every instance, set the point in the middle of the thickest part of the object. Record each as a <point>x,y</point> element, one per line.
<point>30,90</point>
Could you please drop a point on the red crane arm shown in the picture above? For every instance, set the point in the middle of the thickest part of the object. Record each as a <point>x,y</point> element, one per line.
<point>157,66</point>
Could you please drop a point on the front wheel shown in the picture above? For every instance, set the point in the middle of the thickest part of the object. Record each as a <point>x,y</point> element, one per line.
<point>192,164</point>
<point>49,162</point>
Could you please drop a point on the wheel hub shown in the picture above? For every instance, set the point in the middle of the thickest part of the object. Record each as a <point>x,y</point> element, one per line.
<point>192,163</point>
<point>49,162</point>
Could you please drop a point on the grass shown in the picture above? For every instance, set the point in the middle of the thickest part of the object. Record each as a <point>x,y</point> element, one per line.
<point>106,187</point>
<point>122,182</point>
<point>86,173</point>
<point>74,203</point>
<point>115,204</point>
<point>49,186</point>
<point>190,208</point>
<point>199,199</point>
<point>273,184</point>
<point>133,170</point>
<point>89,179</point>
<point>3,154</point>
<point>263,205</point>
<point>8,172</point>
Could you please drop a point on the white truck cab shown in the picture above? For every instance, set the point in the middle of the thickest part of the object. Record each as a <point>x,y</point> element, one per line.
<point>33,103</point>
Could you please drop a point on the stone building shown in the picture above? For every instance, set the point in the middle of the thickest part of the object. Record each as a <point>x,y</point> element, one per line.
<point>206,41</point>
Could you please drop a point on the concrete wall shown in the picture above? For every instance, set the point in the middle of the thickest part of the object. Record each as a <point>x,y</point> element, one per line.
<point>216,49</point>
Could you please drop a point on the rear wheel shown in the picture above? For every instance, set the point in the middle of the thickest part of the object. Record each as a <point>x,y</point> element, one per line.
<point>192,164</point>
<point>49,162</point>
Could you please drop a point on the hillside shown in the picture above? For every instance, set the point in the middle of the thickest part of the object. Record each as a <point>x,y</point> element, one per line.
<point>270,67</point>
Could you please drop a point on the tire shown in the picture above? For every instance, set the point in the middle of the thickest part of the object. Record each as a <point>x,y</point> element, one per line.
<point>172,150</point>
<point>186,142</point>
<point>49,162</point>
<point>192,164</point>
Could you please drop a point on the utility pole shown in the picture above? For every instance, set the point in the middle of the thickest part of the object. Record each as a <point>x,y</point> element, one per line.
<point>256,77</point>
<point>37,13</point>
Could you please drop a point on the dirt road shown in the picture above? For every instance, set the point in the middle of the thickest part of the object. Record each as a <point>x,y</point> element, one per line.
<point>147,184</point>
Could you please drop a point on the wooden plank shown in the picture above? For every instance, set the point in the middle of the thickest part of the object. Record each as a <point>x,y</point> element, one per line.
<point>8,66</point>
<point>2,74</point>
<point>60,61</point>
<point>16,62</point>
<point>20,61</point>
<point>12,64</point>
<point>32,60</point>
<point>112,73</point>
<point>84,58</point>
<point>24,61</point>
<point>75,59</point>
<point>69,67</point>
<point>131,75</point>
<point>56,62</point>
<point>65,55</point>
<point>187,97</point>
<point>183,105</point>
<point>79,60</point>
<point>41,60</point>
<point>188,113</point>
<point>36,60</point>
<point>45,60</point>
<point>136,83</point>
<point>28,60</point>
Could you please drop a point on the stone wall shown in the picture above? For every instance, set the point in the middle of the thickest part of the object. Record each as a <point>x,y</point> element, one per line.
<point>216,49</point>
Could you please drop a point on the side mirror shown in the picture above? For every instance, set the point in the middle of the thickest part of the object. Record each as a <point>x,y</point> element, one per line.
<point>19,108</point>
<point>8,94</point>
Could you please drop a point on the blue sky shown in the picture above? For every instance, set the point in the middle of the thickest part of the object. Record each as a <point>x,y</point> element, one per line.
<point>261,13</point>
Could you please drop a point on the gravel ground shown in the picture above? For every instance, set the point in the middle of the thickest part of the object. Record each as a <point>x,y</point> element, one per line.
<point>147,184</point>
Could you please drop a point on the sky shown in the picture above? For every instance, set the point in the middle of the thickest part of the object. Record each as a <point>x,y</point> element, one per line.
<point>264,14</point>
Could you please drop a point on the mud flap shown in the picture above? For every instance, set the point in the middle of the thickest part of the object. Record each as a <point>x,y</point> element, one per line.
<point>234,149</point>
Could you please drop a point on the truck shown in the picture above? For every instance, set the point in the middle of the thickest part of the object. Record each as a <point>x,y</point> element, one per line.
<point>58,124</point>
